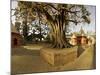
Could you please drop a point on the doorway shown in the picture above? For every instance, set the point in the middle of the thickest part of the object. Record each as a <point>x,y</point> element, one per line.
<point>15,42</point>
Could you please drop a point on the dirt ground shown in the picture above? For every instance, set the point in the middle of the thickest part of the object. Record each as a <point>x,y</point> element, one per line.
<point>27,59</point>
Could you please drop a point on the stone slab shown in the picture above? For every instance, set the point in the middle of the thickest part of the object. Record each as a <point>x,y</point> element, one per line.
<point>58,57</point>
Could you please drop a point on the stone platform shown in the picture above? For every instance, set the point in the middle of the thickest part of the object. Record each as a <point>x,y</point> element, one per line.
<point>57,57</point>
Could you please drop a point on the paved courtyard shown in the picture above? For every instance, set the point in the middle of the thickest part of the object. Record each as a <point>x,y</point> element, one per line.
<point>27,59</point>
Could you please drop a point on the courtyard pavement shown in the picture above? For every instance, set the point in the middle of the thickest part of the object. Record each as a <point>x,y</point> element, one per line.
<point>27,59</point>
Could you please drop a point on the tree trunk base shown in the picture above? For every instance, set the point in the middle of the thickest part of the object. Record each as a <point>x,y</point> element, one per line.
<point>68,45</point>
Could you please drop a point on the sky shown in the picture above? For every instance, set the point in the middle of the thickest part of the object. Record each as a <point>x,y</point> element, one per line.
<point>86,27</point>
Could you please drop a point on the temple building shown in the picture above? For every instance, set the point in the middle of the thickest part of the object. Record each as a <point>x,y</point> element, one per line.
<point>16,38</point>
<point>79,38</point>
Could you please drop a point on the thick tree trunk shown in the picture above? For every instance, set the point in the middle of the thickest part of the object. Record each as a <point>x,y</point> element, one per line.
<point>57,37</point>
<point>25,26</point>
<point>57,32</point>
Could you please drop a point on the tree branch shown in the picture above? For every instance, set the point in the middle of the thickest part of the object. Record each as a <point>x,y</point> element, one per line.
<point>71,11</point>
<point>74,21</point>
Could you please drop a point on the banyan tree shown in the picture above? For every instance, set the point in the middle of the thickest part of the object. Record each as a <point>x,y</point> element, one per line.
<point>57,16</point>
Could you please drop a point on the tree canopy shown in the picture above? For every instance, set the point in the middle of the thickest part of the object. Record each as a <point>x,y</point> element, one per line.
<point>56,16</point>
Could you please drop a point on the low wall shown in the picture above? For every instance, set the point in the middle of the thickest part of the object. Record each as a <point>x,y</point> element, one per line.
<point>59,56</point>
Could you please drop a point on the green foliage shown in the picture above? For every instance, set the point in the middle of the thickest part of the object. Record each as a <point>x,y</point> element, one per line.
<point>56,16</point>
<point>17,25</point>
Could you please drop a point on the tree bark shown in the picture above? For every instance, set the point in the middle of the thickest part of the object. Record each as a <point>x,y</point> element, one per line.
<point>57,36</point>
